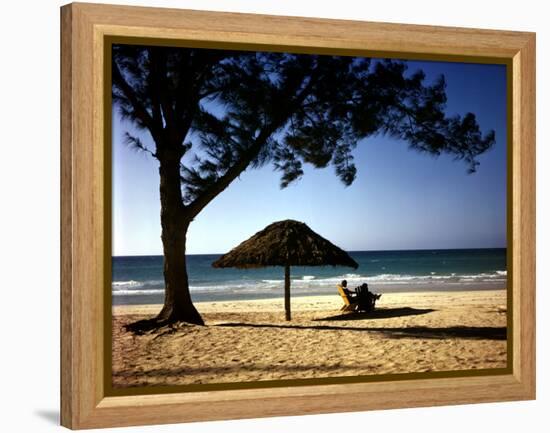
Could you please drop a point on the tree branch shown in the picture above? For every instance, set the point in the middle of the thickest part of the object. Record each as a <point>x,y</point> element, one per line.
<point>232,173</point>
<point>140,112</point>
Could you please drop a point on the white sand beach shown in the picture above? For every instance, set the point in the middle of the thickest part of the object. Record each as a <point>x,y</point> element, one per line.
<point>250,340</point>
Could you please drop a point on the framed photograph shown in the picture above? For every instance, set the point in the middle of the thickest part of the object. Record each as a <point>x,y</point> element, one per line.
<point>266,216</point>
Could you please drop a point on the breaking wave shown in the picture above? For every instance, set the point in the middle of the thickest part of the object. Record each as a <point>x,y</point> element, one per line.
<point>152,287</point>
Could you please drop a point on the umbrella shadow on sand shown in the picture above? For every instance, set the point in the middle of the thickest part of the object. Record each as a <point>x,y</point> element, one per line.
<point>419,332</point>
<point>381,313</point>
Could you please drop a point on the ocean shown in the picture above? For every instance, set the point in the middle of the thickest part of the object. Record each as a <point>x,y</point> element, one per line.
<point>139,279</point>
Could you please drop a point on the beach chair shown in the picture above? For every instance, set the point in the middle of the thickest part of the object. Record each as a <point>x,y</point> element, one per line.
<point>348,305</point>
<point>365,302</point>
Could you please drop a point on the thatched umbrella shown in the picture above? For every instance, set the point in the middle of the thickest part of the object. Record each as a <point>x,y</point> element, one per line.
<point>285,243</point>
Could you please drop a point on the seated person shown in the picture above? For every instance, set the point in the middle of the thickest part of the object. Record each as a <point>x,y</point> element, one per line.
<point>367,299</point>
<point>351,295</point>
<point>363,290</point>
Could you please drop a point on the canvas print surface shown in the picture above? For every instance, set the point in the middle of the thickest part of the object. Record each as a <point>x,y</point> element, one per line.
<point>281,217</point>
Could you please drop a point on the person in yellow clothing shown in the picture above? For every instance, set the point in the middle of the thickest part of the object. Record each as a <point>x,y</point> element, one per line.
<point>352,295</point>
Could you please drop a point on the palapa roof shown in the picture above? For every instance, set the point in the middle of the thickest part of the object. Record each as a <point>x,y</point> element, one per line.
<point>285,243</point>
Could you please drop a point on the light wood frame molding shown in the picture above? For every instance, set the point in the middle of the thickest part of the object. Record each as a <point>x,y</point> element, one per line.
<point>84,403</point>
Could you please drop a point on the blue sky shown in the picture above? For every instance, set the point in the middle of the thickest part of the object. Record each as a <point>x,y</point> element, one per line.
<point>400,199</point>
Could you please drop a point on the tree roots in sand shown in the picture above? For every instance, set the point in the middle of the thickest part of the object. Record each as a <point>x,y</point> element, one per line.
<point>157,326</point>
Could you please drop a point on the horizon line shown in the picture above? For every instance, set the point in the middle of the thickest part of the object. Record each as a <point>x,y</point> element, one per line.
<point>348,251</point>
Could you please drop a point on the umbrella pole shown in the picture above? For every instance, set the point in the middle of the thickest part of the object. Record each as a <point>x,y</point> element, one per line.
<point>287,292</point>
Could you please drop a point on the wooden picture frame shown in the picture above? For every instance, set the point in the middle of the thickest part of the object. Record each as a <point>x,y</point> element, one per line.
<point>84,307</point>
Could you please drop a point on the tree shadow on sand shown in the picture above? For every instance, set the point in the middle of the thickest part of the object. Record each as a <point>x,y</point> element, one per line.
<point>420,332</point>
<point>381,313</point>
<point>464,332</point>
<point>278,367</point>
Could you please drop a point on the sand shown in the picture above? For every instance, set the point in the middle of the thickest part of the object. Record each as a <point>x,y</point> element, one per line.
<point>250,340</point>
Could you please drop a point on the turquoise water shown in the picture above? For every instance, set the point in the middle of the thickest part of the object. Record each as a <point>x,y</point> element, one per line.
<point>139,279</point>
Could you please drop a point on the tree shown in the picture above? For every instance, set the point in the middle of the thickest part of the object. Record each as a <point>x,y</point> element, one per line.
<point>212,114</point>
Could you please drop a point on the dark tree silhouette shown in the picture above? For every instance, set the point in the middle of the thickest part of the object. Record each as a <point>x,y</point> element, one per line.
<point>278,108</point>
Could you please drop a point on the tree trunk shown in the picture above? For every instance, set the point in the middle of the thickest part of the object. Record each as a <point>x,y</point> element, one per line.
<point>287,292</point>
<point>175,223</point>
<point>178,305</point>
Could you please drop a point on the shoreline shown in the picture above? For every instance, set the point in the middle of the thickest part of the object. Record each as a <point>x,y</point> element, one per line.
<point>156,296</point>
<point>298,302</point>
